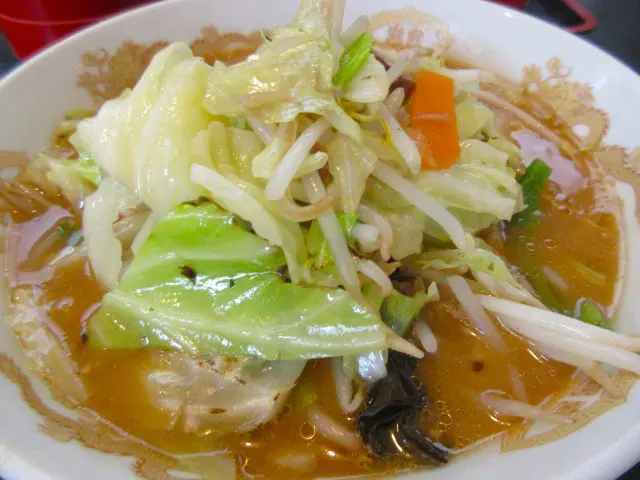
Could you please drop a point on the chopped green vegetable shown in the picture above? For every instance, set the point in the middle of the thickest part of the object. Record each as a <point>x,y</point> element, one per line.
<point>528,266</point>
<point>372,293</point>
<point>591,275</point>
<point>66,229</point>
<point>202,285</point>
<point>79,114</point>
<point>547,295</point>
<point>240,122</point>
<point>398,310</point>
<point>319,247</point>
<point>83,169</point>
<point>87,169</point>
<point>353,59</point>
<point>532,183</point>
<point>590,312</point>
<point>307,396</point>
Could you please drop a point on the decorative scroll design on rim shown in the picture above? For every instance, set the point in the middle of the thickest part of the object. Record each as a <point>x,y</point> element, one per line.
<point>89,430</point>
<point>411,28</point>
<point>106,75</point>
<point>585,401</point>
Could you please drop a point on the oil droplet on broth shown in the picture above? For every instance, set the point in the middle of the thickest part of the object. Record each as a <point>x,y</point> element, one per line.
<point>307,431</point>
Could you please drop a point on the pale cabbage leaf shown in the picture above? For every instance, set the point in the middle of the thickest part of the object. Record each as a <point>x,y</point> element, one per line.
<point>289,74</point>
<point>217,395</point>
<point>203,285</point>
<point>143,138</point>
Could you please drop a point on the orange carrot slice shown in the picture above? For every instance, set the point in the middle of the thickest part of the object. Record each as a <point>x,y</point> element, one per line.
<point>433,115</point>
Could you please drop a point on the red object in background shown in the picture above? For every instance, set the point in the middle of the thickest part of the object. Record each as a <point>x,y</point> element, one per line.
<point>513,3</point>
<point>30,25</point>
<point>588,19</point>
<point>570,14</point>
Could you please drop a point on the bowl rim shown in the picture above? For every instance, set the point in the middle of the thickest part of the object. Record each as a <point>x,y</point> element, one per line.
<point>143,9</point>
<point>620,457</point>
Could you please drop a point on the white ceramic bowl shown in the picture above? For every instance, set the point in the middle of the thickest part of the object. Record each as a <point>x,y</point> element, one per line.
<point>34,97</point>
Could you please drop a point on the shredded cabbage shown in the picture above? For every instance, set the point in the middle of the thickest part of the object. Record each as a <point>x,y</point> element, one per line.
<point>466,80</point>
<point>265,163</point>
<point>219,396</point>
<point>511,149</point>
<point>43,348</point>
<point>422,201</point>
<point>474,187</point>
<point>472,118</point>
<point>288,75</point>
<point>101,210</point>
<point>84,168</point>
<point>335,238</point>
<point>383,149</point>
<point>245,146</point>
<point>203,285</point>
<point>286,169</point>
<point>370,84</point>
<point>249,203</point>
<point>76,178</point>
<point>475,151</point>
<point>350,165</point>
<point>143,138</point>
<point>408,225</point>
<point>488,268</point>
<point>477,259</point>
<point>480,183</point>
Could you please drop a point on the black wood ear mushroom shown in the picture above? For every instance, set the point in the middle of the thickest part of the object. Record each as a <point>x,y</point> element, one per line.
<point>389,423</point>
